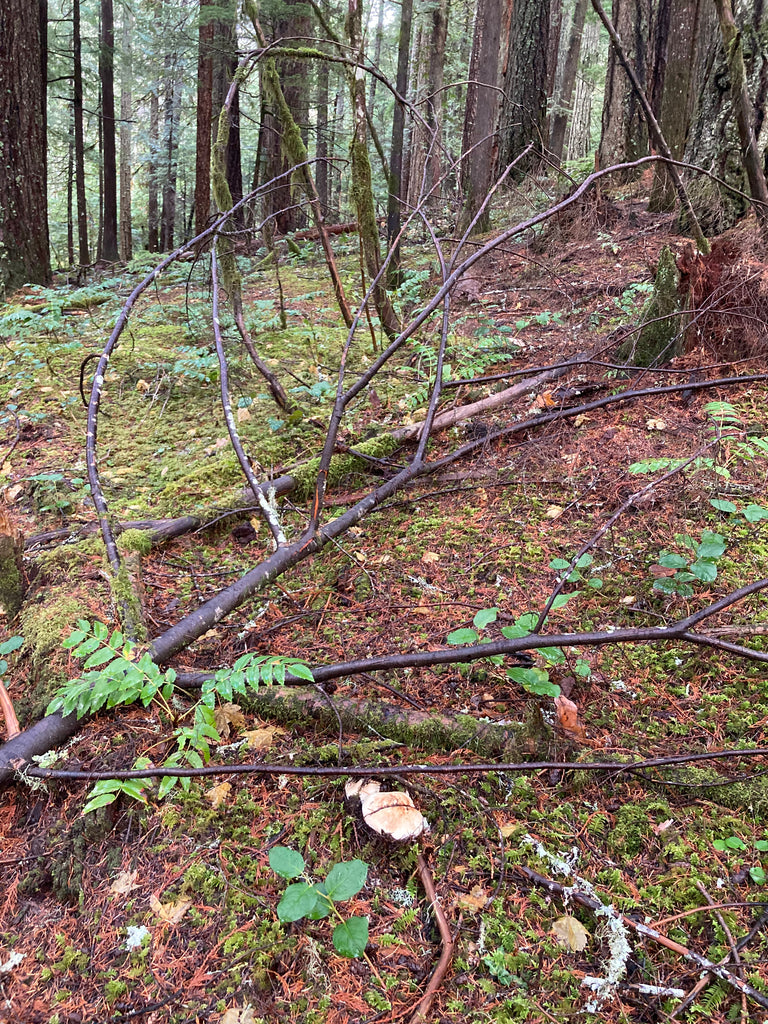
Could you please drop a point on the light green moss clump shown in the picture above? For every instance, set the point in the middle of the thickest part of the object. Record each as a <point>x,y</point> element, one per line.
<point>139,541</point>
<point>661,336</point>
<point>342,466</point>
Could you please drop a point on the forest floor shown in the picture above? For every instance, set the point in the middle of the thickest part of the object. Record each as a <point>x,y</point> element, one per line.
<point>166,911</point>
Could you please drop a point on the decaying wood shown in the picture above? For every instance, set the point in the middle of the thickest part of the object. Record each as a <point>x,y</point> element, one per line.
<point>425,877</point>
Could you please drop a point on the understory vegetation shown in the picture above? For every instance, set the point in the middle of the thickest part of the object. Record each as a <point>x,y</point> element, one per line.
<point>258,892</point>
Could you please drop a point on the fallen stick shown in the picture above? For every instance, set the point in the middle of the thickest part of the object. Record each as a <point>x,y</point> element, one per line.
<point>425,1004</point>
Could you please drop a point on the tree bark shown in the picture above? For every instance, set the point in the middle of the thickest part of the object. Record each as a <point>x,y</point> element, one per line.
<point>23,196</point>
<point>204,117</point>
<point>107,79</point>
<point>153,221</point>
<point>396,148</point>
<point>563,95</point>
<point>579,142</point>
<point>744,111</point>
<point>126,115</point>
<point>524,108</point>
<point>624,135</point>
<point>479,144</point>
<point>673,86</point>
<point>172,112</point>
<point>77,70</point>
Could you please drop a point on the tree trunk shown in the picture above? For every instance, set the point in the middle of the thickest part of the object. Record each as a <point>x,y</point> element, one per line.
<point>580,143</point>
<point>172,112</point>
<point>23,200</point>
<point>321,144</point>
<point>478,144</point>
<point>153,223</point>
<point>71,190</point>
<point>561,104</point>
<point>435,94</point>
<point>625,136</point>
<point>396,148</point>
<point>713,140</point>
<point>334,197</point>
<point>77,71</point>
<point>107,79</point>
<point>744,111</point>
<point>204,117</point>
<point>673,89</point>
<point>126,114</point>
<point>524,108</point>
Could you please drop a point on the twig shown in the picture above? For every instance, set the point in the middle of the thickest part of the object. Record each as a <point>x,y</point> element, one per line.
<point>425,1005</point>
<point>649,933</point>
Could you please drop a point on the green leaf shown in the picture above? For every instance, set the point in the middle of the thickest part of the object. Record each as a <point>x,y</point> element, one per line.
<point>704,570</point>
<point>563,599</point>
<point>722,505</point>
<point>553,655</point>
<point>514,632</point>
<point>719,845</point>
<point>322,907</point>
<point>13,644</point>
<point>286,862</point>
<point>559,563</point>
<point>462,636</point>
<point>757,874</point>
<point>351,937</point>
<point>585,560</point>
<point>346,879</point>
<point>670,561</point>
<point>302,671</point>
<point>734,843</point>
<point>595,583</point>
<point>298,900</point>
<point>98,801</point>
<point>484,617</point>
<point>712,545</point>
<point>166,785</point>
<point>534,680</point>
<point>754,513</point>
<point>761,845</point>
<point>582,668</point>
<point>135,788</point>
<point>100,657</point>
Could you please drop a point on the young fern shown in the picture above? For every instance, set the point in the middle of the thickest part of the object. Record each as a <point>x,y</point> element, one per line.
<point>114,674</point>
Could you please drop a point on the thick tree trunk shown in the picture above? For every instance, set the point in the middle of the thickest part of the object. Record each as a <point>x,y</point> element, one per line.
<point>625,135</point>
<point>204,117</point>
<point>172,112</point>
<point>23,197</point>
<point>713,140</point>
<point>321,144</point>
<point>524,108</point>
<point>77,70</point>
<point>396,148</point>
<point>673,89</point>
<point>478,144</point>
<point>108,247</point>
<point>561,104</point>
<point>126,114</point>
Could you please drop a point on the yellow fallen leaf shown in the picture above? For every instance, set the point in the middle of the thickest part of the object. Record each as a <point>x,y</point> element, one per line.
<point>474,900</point>
<point>507,830</point>
<point>238,1015</point>
<point>170,913</point>
<point>430,556</point>
<point>655,425</point>
<point>570,932</point>
<point>553,512</point>
<point>217,795</point>
<point>422,609</point>
<point>124,882</point>
<point>581,419</point>
<point>260,739</point>
<point>13,492</point>
<point>228,717</point>
<point>243,415</point>
<point>142,385</point>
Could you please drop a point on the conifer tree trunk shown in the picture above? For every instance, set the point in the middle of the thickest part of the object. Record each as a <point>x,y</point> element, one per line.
<point>564,87</point>
<point>153,221</point>
<point>23,195</point>
<point>524,108</point>
<point>396,149</point>
<point>625,136</point>
<point>108,247</point>
<point>84,257</point>
<point>204,117</point>
<point>126,114</point>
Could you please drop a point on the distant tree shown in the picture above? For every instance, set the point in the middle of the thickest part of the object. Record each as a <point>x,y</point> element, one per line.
<point>396,148</point>
<point>566,81</point>
<point>24,254</point>
<point>84,257</point>
<point>126,115</point>
<point>204,116</point>
<point>109,249</point>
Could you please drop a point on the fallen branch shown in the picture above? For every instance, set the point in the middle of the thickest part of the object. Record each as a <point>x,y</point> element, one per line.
<point>425,1005</point>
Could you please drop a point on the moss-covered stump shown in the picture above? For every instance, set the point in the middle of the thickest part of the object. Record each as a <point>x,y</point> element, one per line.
<point>660,336</point>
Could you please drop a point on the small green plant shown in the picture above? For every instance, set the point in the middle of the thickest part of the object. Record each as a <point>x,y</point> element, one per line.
<point>701,566</point>
<point>576,574</point>
<point>752,513</point>
<point>8,647</point>
<point>734,845</point>
<point>534,679</point>
<point>316,900</point>
<point>115,674</point>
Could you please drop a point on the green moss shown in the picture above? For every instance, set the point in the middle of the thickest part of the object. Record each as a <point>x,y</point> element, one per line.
<point>343,467</point>
<point>660,337</point>
<point>113,990</point>
<point>139,541</point>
